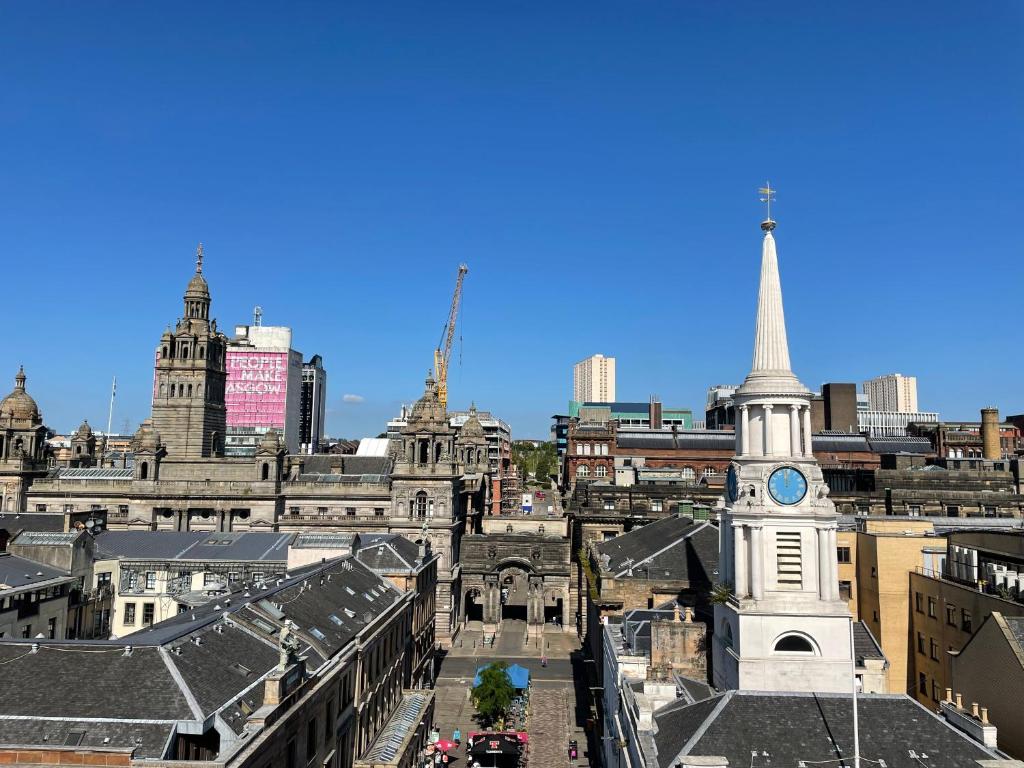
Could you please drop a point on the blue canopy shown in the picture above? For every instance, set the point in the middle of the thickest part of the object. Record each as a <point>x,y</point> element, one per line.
<point>517,675</point>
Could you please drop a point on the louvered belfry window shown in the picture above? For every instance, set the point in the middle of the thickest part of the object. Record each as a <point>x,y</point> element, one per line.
<point>787,546</point>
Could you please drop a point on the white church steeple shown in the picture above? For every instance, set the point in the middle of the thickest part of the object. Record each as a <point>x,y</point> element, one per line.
<point>785,626</point>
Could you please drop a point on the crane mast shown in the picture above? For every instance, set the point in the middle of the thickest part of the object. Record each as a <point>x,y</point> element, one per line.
<point>444,350</point>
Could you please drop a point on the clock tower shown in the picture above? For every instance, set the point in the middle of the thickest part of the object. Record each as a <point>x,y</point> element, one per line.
<point>784,626</point>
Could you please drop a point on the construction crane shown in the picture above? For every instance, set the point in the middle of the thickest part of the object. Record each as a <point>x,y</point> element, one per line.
<point>444,346</point>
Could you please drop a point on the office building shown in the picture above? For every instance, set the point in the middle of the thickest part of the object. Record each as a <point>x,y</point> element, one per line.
<point>264,388</point>
<point>594,380</point>
<point>312,405</point>
<point>894,392</point>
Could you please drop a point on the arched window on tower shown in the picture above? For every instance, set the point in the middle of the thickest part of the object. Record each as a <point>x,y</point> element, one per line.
<point>265,472</point>
<point>794,643</point>
<point>190,390</point>
<point>437,452</point>
<point>424,456</point>
<point>164,354</point>
<point>202,353</point>
<point>144,471</point>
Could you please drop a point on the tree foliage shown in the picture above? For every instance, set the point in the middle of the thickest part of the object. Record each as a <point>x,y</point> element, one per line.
<point>540,460</point>
<point>494,694</point>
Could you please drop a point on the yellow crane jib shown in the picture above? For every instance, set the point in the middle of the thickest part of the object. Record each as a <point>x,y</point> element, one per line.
<point>444,350</point>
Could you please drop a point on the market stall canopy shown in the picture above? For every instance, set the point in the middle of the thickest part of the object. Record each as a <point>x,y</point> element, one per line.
<point>517,675</point>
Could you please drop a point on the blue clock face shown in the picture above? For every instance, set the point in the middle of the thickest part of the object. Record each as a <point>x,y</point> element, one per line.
<point>787,485</point>
<point>731,484</point>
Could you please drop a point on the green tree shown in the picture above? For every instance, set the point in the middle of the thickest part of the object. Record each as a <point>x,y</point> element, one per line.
<point>494,694</point>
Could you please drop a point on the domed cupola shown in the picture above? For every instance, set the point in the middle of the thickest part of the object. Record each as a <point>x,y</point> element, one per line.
<point>18,409</point>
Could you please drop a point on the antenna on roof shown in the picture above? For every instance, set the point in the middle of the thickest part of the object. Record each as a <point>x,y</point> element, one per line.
<point>257,316</point>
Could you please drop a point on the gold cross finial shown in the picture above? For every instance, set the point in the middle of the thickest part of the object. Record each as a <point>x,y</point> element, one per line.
<point>199,258</point>
<point>767,196</point>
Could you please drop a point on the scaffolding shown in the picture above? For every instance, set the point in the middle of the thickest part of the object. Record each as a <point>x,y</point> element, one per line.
<point>511,491</point>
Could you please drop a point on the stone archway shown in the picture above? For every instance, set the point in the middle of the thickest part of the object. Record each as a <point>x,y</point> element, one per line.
<point>514,592</point>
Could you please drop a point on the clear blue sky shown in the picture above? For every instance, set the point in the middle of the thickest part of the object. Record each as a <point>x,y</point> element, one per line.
<point>595,163</point>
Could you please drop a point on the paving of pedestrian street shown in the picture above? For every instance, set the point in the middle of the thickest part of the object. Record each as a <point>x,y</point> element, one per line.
<point>554,716</point>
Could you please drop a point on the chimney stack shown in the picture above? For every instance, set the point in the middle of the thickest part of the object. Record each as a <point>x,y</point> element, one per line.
<point>990,446</point>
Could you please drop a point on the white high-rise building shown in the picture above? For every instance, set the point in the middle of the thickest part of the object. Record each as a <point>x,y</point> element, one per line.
<point>784,626</point>
<point>593,380</point>
<point>894,393</point>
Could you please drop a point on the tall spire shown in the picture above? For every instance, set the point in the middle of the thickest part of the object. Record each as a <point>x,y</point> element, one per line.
<point>199,259</point>
<point>770,371</point>
<point>771,348</point>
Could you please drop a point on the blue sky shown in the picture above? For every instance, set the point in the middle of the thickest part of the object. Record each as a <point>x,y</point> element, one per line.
<point>595,164</point>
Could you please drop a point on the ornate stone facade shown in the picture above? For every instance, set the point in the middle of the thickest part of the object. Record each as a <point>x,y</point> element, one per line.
<point>22,445</point>
<point>191,373</point>
<point>437,477</point>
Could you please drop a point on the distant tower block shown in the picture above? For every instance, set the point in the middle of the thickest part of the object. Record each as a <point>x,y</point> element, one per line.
<point>990,446</point>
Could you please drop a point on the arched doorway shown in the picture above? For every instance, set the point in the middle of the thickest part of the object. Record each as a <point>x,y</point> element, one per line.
<point>473,606</point>
<point>554,611</point>
<point>514,591</point>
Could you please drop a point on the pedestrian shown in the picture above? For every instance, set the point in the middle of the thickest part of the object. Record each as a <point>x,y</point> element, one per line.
<point>457,737</point>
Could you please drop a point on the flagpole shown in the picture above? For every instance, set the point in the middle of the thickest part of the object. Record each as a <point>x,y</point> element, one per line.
<point>110,413</point>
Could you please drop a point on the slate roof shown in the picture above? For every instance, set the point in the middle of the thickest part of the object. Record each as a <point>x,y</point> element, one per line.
<point>193,545</point>
<point>211,660</point>
<point>794,727</point>
<point>864,644</point>
<point>840,443</point>
<point>323,466</point>
<point>901,445</point>
<point>387,552</point>
<point>148,738</point>
<point>680,439</point>
<point>20,572</point>
<point>33,521</point>
<point>672,547</point>
<point>1015,624</point>
<point>72,680</point>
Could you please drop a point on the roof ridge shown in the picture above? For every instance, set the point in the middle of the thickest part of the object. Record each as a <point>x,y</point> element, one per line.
<point>702,729</point>
<point>682,538</point>
<point>179,680</point>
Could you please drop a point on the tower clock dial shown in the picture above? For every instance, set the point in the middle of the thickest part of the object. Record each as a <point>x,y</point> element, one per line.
<point>787,485</point>
<point>731,484</point>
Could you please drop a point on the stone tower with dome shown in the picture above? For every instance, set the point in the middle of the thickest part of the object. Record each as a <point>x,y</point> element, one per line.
<point>189,382</point>
<point>22,445</point>
<point>783,626</point>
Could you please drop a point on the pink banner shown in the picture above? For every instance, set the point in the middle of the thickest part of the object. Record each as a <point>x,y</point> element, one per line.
<point>257,388</point>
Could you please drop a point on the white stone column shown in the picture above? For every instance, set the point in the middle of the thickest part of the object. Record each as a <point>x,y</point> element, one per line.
<point>744,430</point>
<point>756,562</point>
<point>769,449</point>
<point>824,568</point>
<point>739,557</point>
<point>833,563</point>
<point>794,430</point>
<point>808,445</point>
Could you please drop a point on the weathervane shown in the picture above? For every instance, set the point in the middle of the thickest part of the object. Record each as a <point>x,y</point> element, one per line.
<point>767,195</point>
<point>199,258</point>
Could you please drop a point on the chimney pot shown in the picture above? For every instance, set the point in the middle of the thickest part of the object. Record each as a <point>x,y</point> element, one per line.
<point>949,695</point>
<point>984,715</point>
<point>959,701</point>
<point>974,710</point>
